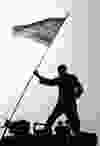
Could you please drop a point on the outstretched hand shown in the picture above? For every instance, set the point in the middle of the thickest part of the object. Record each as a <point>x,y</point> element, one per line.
<point>36,72</point>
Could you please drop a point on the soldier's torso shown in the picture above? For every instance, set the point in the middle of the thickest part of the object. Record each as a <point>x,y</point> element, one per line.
<point>66,91</point>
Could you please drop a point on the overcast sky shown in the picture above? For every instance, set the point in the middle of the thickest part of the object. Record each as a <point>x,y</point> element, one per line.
<point>18,57</point>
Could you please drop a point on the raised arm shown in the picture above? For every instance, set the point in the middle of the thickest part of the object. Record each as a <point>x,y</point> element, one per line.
<point>46,81</point>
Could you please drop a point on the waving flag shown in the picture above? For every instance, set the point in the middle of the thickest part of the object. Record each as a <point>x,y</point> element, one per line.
<point>43,31</point>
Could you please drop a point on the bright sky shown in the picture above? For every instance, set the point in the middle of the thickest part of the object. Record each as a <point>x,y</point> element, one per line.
<point>19,56</point>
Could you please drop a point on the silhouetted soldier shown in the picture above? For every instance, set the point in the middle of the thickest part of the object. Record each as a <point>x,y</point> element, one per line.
<point>69,90</point>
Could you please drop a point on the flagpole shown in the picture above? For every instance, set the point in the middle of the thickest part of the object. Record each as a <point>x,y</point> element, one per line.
<point>24,90</point>
<point>30,79</point>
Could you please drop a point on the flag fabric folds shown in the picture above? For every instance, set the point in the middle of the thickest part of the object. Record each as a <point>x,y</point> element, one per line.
<point>43,31</point>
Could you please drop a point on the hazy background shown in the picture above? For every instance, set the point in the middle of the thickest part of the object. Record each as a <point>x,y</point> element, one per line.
<point>18,57</point>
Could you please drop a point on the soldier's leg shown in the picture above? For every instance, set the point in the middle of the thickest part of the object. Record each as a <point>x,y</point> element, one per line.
<point>75,123</point>
<point>72,115</point>
<point>55,114</point>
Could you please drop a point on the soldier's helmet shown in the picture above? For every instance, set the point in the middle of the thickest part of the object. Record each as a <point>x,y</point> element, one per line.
<point>62,68</point>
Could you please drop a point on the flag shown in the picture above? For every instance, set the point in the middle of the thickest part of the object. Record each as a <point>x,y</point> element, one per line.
<point>43,31</point>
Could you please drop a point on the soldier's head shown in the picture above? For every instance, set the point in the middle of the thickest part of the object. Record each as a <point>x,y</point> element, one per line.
<point>62,69</point>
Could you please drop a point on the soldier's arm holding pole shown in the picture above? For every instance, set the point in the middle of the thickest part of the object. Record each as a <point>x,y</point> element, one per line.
<point>46,81</point>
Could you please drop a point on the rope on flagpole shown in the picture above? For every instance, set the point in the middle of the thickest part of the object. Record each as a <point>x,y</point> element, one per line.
<point>26,86</point>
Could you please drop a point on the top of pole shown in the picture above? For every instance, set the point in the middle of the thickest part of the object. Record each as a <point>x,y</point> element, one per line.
<point>67,14</point>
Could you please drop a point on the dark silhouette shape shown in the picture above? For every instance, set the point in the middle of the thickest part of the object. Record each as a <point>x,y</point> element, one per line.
<point>42,132</point>
<point>62,130</point>
<point>43,138</point>
<point>68,127</point>
<point>68,94</point>
<point>18,128</point>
